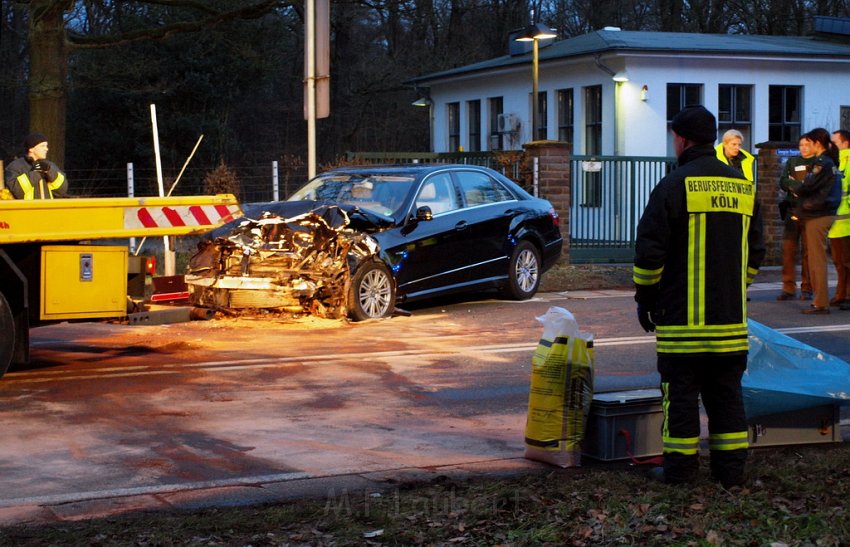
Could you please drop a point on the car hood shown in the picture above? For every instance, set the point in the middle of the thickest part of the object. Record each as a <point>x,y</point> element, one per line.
<point>361,220</point>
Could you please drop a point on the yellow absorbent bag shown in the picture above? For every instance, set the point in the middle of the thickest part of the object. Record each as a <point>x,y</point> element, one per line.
<point>561,391</point>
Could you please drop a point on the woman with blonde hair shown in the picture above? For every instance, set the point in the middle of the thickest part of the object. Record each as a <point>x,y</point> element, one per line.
<point>729,151</point>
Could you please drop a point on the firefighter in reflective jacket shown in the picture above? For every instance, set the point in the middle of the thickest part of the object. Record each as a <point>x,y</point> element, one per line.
<point>33,176</point>
<point>699,244</point>
<point>730,152</point>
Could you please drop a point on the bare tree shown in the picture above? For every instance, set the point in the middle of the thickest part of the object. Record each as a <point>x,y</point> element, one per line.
<point>52,36</point>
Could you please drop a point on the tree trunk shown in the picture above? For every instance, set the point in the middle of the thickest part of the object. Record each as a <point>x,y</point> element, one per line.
<point>48,73</point>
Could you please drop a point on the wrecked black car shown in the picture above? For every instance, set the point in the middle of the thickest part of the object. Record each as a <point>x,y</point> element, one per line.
<point>357,241</point>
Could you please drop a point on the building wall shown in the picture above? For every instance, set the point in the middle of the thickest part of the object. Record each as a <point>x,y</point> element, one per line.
<point>641,127</point>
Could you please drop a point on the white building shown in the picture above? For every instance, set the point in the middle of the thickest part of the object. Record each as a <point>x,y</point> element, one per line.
<point>771,88</point>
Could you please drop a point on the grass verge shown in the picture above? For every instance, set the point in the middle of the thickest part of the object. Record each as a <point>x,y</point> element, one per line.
<point>794,496</point>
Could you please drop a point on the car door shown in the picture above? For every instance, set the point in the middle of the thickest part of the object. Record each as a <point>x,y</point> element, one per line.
<point>489,209</point>
<point>429,255</point>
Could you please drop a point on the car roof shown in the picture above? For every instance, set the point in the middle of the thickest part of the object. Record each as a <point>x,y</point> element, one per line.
<point>418,169</point>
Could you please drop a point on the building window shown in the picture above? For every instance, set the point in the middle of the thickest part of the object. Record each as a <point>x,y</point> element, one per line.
<point>734,111</point>
<point>542,116</point>
<point>784,106</point>
<point>678,97</point>
<point>565,115</point>
<point>593,120</point>
<point>474,117</point>
<point>453,110</point>
<point>495,110</point>
<point>591,188</point>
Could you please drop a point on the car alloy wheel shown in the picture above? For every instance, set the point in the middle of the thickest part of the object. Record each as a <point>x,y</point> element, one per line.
<point>523,272</point>
<point>372,292</point>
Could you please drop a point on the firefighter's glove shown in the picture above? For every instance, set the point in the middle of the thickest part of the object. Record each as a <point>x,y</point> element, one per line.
<point>42,166</point>
<point>645,319</point>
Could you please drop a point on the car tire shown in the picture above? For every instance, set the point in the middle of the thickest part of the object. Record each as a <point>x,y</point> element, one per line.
<point>523,272</point>
<point>7,327</point>
<point>372,292</point>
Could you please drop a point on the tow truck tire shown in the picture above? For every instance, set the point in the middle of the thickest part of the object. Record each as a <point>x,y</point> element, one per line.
<point>523,272</point>
<point>372,293</point>
<point>7,339</point>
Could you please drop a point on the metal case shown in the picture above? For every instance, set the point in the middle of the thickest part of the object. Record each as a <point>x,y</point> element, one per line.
<point>624,424</point>
<point>815,425</point>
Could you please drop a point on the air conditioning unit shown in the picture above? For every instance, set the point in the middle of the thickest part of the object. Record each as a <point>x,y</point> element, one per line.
<point>508,123</point>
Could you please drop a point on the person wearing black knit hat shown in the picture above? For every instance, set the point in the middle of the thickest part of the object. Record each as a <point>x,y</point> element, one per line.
<point>33,176</point>
<point>699,244</point>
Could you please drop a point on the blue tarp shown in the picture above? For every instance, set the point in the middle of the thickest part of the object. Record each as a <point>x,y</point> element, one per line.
<point>784,374</point>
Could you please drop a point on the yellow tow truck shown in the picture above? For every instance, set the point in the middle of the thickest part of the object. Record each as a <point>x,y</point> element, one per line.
<point>50,271</point>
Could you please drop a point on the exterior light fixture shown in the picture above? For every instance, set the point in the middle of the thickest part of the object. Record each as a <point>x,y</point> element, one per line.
<point>620,77</point>
<point>534,33</point>
<point>422,101</point>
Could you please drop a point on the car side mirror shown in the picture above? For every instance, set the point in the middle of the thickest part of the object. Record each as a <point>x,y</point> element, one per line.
<point>424,213</point>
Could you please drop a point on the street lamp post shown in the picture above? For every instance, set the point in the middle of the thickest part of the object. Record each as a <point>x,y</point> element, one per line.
<point>534,33</point>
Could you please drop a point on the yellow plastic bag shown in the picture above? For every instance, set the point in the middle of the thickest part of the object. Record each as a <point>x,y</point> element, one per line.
<point>561,391</point>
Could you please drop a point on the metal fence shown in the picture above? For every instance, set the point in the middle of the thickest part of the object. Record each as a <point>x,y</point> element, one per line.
<point>509,164</point>
<point>252,183</point>
<point>608,195</point>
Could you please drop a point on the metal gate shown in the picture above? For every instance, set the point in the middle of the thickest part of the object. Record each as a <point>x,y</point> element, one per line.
<point>608,195</point>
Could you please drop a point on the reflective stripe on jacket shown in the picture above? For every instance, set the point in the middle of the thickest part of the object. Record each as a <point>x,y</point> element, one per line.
<point>841,225</point>
<point>25,183</point>
<point>699,244</point>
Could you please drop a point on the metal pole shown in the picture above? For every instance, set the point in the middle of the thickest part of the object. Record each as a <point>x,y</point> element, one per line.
<point>310,38</point>
<point>534,92</point>
<point>275,182</point>
<point>169,260</point>
<point>131,192</point>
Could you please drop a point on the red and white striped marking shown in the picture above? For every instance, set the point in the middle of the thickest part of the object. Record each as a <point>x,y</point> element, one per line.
<point>179,216</point>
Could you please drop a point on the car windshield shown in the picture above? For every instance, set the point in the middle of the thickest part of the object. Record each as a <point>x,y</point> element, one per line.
<point>382,194</point>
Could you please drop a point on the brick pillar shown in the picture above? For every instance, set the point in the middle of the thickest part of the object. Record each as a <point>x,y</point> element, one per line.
<point>767,192</point>
<point>553,181</point>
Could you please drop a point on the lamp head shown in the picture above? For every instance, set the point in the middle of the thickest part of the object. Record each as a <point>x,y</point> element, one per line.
<point>536,31</point>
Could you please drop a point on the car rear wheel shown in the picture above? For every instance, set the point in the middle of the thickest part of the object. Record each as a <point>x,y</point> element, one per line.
<point>372,294</point>
<point>523,272</point>
<point>7,340</point>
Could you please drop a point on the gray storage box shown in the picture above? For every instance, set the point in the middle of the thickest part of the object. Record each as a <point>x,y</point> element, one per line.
<point>624,424</point>
<point>819,424</point>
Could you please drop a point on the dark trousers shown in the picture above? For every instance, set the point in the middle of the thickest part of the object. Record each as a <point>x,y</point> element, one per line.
<point>717,379</point>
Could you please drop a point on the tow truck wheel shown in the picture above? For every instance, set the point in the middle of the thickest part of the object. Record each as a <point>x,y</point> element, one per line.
<point>372,293</point>
<point>7,340</point>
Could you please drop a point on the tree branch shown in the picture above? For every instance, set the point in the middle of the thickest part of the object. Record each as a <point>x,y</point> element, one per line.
<point>213,18</point>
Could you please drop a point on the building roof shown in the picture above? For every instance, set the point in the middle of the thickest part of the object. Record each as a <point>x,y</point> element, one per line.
<point>680,43</point>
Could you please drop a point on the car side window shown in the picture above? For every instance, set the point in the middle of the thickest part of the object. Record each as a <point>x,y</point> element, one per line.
<point>480,189</point>
<point>438,194</point>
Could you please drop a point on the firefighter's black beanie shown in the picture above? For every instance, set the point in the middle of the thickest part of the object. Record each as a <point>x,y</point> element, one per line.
<point>33,139</point>
<point>695,123</point>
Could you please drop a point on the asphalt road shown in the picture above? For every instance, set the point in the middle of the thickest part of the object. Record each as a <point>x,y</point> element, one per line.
<point>156,413</point>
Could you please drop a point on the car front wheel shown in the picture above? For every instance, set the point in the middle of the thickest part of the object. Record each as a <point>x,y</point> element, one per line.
<point>523,272</point>
<point>372,293</point>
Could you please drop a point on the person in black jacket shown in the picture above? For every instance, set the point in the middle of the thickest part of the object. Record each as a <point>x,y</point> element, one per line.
<point>33,176</point>
<point>793,238</point>
<point>699,244</point>
<point>817,215</point>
